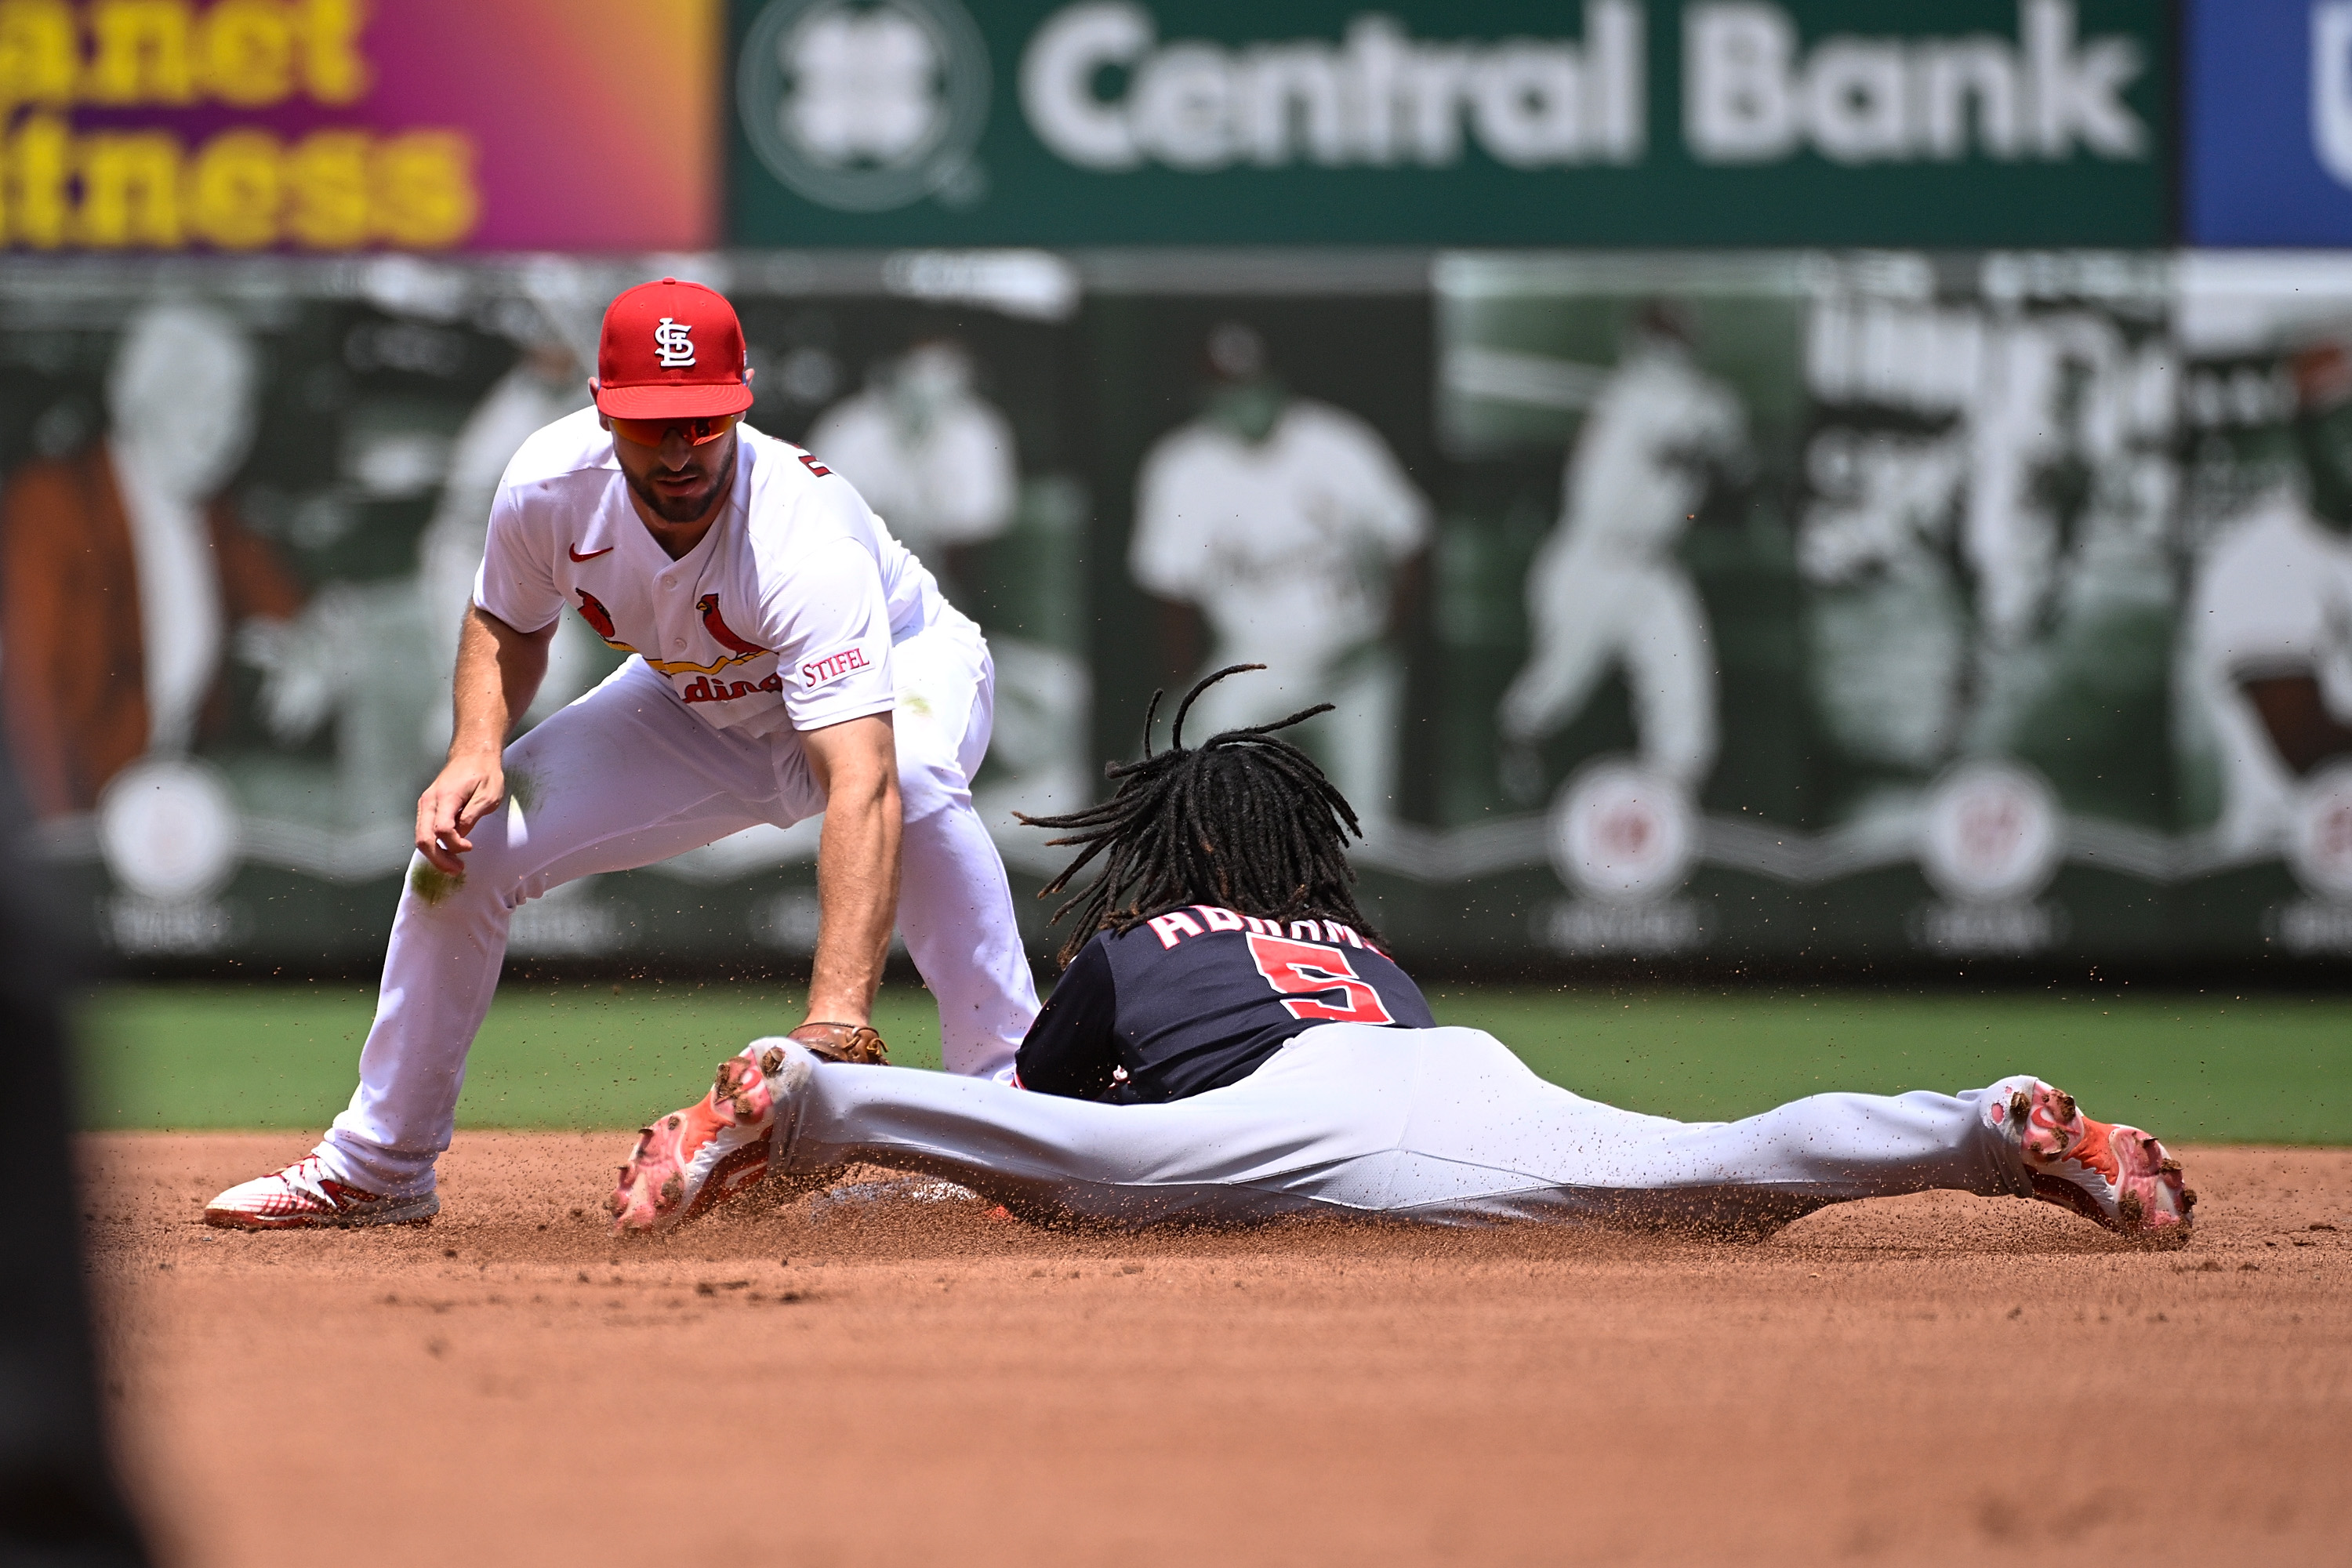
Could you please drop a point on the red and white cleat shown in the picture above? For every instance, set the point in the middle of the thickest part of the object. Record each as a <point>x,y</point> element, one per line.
<point>2117,1176</point>
<point>303,1196</point>
<point>694,1159</point>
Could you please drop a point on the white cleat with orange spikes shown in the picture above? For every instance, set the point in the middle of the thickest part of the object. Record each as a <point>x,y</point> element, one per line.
<point>2117,1176</point>
<point>692,1160</point>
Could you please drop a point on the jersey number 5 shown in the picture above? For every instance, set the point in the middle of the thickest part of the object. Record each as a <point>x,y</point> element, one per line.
<point>1308,972</point>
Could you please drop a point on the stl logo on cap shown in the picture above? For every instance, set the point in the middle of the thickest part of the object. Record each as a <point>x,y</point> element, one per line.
<point>671,349</point>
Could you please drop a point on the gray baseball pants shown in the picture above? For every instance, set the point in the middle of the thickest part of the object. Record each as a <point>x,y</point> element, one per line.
<point>1442,1126</point>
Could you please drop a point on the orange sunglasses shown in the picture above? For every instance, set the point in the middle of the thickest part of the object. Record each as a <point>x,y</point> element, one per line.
<point>699,432</point>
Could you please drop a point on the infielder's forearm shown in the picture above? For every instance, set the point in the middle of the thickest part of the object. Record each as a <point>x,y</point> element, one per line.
<point>498,672</point>
<point>856,763</point>
<point>857,896</point>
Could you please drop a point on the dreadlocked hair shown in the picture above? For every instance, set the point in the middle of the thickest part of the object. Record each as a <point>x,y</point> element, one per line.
<point>1246,821</point>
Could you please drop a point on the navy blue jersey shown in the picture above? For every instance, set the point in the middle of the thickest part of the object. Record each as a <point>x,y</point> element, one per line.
<point>1199,997</point>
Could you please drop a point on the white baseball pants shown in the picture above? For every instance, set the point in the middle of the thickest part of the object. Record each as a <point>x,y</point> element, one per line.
<point>1441,1126</point>
<point>626,777</point>
<point>1592,609</point>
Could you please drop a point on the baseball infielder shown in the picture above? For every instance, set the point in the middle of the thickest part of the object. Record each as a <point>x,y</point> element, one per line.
<point>1228,1044</point>
<point>791,658</point>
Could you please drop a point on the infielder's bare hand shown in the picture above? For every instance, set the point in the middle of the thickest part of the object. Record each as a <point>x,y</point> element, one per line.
<point>468,789</point>
<point>498,668</point>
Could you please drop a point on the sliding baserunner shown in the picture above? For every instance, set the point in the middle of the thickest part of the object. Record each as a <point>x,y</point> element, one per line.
<point>1228,1043</point>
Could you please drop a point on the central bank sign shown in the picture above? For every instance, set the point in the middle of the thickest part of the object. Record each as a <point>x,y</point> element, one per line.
<point>1963,122</point>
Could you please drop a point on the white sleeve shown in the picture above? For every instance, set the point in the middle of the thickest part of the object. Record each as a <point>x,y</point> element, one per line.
<point>2259,610</point>
<point>517,582</point>
<point>1727,428</point>
<point>839,441</point>
<point>1167,554</point>
<point>830,626</point>
<point>976,448</point>
<point>1382,495</point>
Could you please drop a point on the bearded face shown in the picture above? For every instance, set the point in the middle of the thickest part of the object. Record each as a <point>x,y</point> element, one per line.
<point>677,481</point>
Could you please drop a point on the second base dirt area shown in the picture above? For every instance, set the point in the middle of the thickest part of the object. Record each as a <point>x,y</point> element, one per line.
<point>845,1380</point>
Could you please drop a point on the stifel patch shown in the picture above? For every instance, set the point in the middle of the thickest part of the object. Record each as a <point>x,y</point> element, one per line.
<point>826,668</point>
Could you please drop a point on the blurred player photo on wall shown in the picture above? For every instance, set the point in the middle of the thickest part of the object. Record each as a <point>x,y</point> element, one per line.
<point>1605,587</point>
<point>1280,530</point>
<point>1606,590</point>
<point>1605,576</point>
<point>131,583</point>
<point>1935,583</point>
<point>929,453</point>
<point>129,573</point>
<point>2264,726</point>
<point>1985,537</point>
<point>1987,501</point>
<point>255,480</point>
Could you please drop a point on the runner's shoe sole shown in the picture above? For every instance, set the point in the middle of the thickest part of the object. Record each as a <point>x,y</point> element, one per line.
<point>2115,1174</point>
<point>696,1158</point>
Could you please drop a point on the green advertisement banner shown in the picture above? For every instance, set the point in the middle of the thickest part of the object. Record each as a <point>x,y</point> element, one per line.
<point>1106,122</point>
<point>1838,606</point>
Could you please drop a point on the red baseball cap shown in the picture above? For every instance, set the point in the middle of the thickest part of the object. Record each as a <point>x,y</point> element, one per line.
<point>671,351</point>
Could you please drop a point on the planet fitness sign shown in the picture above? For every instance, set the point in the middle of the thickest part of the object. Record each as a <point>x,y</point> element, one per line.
<point>324,125</point>
<point>1960,122</point>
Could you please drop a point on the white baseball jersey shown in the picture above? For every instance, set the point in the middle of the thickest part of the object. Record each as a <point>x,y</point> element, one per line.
<point>1285,545</point>
<point>782,616</point>
<point>2275,598</point>
<point>955,483</point>
<point>183,614</point>
<point>1637,470</point>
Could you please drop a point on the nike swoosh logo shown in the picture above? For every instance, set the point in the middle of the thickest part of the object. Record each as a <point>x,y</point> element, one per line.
<point>592,554</point>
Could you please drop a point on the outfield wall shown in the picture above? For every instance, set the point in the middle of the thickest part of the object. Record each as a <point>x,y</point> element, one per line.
<point>1805,604</point>
<point>1825,522</point>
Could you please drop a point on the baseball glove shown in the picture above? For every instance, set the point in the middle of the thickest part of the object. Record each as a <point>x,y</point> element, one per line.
<point>844,1043</point>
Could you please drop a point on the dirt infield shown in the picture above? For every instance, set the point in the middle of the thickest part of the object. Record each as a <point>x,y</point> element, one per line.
<point>1932,1379</point>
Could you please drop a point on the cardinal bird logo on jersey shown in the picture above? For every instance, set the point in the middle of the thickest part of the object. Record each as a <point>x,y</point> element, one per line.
<point>718,630</point>
<point>601,618</point>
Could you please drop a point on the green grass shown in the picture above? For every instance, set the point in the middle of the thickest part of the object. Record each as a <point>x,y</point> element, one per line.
<point>2257,1069</point>
<point>554,1055</point>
